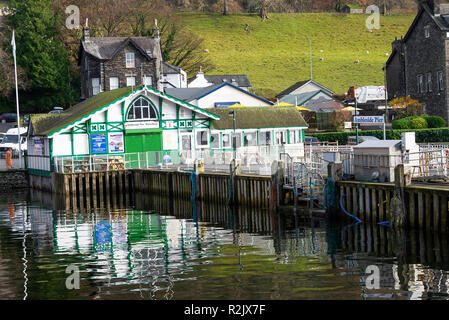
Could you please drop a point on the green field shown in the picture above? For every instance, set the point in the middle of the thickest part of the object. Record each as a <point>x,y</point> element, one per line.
<point>275,52</point>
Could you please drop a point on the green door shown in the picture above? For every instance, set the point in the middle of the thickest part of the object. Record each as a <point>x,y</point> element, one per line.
<point>143,142</point>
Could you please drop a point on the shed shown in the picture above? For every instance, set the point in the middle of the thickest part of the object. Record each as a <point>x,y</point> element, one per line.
<point>352,8</point>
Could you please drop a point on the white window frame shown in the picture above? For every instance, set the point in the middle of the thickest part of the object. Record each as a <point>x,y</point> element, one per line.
<point>263,132</point>
<point>427,32</point>
<point>96,89</point>
<point>130,58</point>
<point>213,133</point>
<point>295,136</point>
<point>280,136</point>
<point>110,83</point>
<point>254,132</point>
<point>202,146</point>
<point>229,143</point>
<point>420,83</point>
<point>440,81</point>
<point>128,83</point>
<point>429,82</point>
<point>145,78</point>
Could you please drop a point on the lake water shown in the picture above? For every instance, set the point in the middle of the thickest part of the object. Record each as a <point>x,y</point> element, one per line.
<point>170,250</point>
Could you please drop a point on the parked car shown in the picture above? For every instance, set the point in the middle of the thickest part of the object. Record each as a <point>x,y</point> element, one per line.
<point>8,117</point>
<point>57,110</point>
<point>352,140</point>
<point>311,141</point>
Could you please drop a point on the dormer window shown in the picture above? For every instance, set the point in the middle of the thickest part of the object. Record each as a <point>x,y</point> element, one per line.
<point>427,31</point>
<point>130,60</point>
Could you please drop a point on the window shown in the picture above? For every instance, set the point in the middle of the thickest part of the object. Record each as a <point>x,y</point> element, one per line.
<point>295,136</point>
<point>429,82</point>
<point>420,84</point>
<point>281,137</point>
<point>130,60</point>
<point>142,110</point>
<point>226,137</point>
<point>215,141</point>
<point>440,81</point>
<point>265,138</point>
<point>427,31</point>
<point>250,139</point>
<point>202,139</point>
<point>113,83</point>
<point>237,140</point>
<point>147,81</point>
<point>95,86</point>
<point>130,81</point>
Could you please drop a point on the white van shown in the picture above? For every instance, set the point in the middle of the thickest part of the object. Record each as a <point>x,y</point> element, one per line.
<point>10,141</point>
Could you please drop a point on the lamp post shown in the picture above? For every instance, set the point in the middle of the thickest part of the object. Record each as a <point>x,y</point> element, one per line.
<point>234,138</point>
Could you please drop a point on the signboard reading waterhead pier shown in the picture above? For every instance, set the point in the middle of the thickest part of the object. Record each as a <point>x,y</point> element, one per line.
<point>369,119</point>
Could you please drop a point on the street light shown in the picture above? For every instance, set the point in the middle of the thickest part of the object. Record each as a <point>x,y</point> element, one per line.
<point>234,138</point>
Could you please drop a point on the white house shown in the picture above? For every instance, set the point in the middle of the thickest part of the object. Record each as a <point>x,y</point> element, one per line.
<point>304,87</point>
<point>201,80</point>
<point>173,76</point>
<point>218,96</point>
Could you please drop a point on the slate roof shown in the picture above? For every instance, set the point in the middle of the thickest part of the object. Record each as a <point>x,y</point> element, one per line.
<point>241,79</point>
<point>170,69</point>
<point>106,48</point>
<point>258,117</point>
<point>298,85</point>
<point>190,94</point>
<point>301,98</point>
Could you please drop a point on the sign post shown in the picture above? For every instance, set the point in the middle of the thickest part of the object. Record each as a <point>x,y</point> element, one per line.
<point>371,120</point>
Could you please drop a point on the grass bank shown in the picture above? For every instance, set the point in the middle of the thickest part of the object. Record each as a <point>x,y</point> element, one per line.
<point>275,52</point>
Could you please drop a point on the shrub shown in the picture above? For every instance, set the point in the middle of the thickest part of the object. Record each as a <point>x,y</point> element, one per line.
<point>404,123</point>
<point>418,123</point>
<point>422,136</point>
<point>435,122</point>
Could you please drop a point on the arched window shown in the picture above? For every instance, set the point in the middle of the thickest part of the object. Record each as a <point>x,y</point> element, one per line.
<point>142,109</point>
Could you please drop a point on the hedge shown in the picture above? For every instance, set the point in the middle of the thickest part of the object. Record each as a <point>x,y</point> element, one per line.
<point>422,135</point>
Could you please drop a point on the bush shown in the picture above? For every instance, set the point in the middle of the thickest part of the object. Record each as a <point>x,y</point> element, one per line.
<point>435,122</point>
<point>422,136</point>
<point>404,123</point>
<point>418,123</point>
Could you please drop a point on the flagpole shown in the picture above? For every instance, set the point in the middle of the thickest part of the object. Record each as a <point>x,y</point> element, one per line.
<point>13,43</point>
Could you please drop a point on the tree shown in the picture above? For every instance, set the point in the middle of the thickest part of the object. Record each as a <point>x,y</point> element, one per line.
<point>40,53</point>
<point>7,79</point>
<point>225,7</point>
<point>405,107</point>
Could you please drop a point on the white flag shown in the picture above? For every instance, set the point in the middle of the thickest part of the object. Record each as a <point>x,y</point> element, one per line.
<point>13,43</point>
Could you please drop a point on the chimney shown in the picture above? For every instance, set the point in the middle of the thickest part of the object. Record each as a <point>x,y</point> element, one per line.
<point>158,57</point>
<point>86,35</point>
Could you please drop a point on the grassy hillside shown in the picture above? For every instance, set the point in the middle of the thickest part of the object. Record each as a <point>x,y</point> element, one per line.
<point>275,53</point>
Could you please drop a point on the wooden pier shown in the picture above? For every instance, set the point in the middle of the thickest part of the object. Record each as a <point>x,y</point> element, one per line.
<point>426,206</point>
<point>116,188</point>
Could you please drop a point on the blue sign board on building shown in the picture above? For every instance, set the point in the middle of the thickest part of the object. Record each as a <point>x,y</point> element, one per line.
<point>98,143</point>
<point>224,104</point>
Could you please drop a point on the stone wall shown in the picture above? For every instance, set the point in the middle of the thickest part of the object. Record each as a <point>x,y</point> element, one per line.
<point>425,56</point>
<point>115,67</point>
<point>13,180</point>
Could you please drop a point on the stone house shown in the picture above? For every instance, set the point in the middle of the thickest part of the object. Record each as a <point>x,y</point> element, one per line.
<point>108,63</point>
<point>419,64</point>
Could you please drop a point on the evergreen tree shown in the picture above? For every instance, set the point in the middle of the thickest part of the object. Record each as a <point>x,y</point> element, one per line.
<point>41,54</point>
